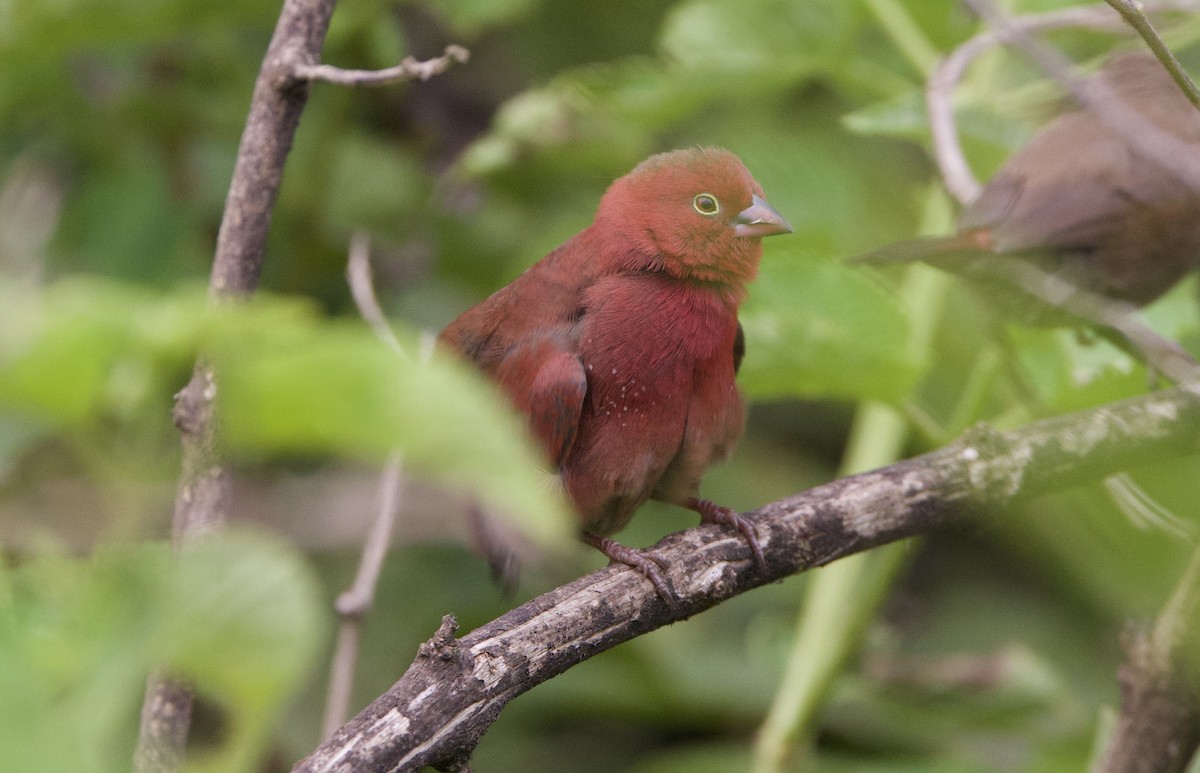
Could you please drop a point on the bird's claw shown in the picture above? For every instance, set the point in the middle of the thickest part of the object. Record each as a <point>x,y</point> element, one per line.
<point>649,563</point>
<point>710,512</point>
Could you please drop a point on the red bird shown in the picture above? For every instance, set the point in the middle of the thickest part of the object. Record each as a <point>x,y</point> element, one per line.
<point>621,345</point>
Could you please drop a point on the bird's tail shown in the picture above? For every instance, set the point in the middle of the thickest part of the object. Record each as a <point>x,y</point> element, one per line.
<point>943,251</point>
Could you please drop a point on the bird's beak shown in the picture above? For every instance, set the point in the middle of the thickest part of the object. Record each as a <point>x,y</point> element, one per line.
<point>760,219</point>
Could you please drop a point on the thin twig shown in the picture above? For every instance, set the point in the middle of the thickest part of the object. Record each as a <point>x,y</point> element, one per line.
<point>409,69</point>
<point>362,289</point>
<point>353,604</point>
<point>455,689</point>
<point>1135,14</point>
<point>204,492</point>
<point>1143,511</point>
<point>1157,351</point>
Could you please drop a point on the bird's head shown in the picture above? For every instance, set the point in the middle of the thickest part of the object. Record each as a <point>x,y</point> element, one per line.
<point>696,214</point>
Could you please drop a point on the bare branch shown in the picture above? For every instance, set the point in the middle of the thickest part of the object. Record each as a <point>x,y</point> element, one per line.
<point>204,492</point>
<point>409,69</point>
<point>166,715</point>
<point>362,289</point>
<point>455,689</point>
<point>205,484</point>
<point>353,604</point>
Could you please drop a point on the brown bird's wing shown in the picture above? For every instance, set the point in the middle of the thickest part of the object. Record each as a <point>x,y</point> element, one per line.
<point>1062,191</point>
<point>544,378</point>
<point>545,297</point>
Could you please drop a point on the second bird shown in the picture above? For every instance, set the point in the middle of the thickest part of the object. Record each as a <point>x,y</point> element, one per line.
<point>621,346</point>
<point>1080,201</point>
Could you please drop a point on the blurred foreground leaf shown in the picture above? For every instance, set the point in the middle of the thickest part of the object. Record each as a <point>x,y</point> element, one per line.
<point>291,383</point>
<point>238,613</point>
<point>817,327</point>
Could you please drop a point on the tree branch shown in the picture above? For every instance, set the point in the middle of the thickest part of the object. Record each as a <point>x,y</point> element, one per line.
<point>354,603</point>
<point>205,483</point>
<point>1158,729</point>
<point>409,69</point>
<point>454,690</point>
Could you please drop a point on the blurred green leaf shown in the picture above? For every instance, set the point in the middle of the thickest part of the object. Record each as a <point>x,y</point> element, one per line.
<point>87,349</point>
<point>903,116</point>
<point>290,383</point>
<point>372,184</point>
<point>470,17</point>
<point>817,327</point>
<point>760,43</point>
<point>310,387</point>
<point>79,636</point>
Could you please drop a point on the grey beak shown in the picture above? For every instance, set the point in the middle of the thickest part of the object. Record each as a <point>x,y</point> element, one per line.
<point>760,219</point>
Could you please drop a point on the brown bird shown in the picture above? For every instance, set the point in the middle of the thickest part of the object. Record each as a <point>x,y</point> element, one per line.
<point>621,345</point>
<point>1079,202</point>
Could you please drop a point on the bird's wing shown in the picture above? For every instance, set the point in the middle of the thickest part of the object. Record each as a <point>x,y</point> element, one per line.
<point>1061,191</point>
<point>544,297</point>
<point>544,378</point>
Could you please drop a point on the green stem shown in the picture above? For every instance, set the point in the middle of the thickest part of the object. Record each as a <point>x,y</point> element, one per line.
<point>842,598</point>
<point>905,34</point>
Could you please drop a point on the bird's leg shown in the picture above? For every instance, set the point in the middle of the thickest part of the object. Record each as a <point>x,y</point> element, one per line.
<point>711,512</point>
<point>647,562</point>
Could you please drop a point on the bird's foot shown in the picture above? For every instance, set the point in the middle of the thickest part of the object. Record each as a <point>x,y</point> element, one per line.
<point>647,562</point>
<point>711,512</point>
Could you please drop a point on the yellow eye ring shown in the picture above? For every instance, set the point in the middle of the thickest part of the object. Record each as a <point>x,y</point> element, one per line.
<point>706,204</point>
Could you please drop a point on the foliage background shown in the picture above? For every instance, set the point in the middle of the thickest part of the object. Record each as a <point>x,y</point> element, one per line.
<point>996,649</point>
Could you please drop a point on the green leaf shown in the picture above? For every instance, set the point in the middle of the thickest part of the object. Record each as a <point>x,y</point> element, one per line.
<point>815,327</point>
<point>290,383</point>
<point>85,349</point>
<point>304,386</point>
<point>1070,372</point>
<point>78,637</point>
<point>902,116</point>
<point>758,42</point>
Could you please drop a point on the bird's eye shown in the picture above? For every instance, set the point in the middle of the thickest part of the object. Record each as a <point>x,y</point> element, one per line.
<point>706,204</point>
